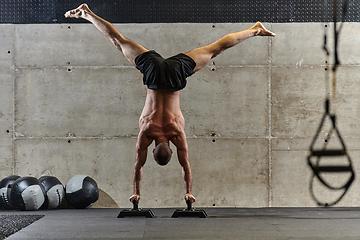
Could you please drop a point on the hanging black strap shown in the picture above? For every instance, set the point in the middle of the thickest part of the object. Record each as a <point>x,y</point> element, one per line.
<point>318,154</point>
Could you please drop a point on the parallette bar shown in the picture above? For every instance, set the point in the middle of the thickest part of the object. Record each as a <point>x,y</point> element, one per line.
<point>328,153</point>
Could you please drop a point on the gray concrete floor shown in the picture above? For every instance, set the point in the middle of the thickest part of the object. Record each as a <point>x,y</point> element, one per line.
<point>222,223</point>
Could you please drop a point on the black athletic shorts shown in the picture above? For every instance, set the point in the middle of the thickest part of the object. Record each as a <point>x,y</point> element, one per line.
<point>160,73</point>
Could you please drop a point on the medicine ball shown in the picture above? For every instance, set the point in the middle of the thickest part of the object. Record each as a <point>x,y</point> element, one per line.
<point>81,191</point>
<point>54,192</point>
<point>5,186</point>
<point>27,193</point>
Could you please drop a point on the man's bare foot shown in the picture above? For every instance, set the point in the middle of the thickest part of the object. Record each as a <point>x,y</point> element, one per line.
<point>262,31</point>
<point>79,12</point>
<point>190,197</point>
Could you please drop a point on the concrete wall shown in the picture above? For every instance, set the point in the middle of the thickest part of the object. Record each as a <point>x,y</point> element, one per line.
<point>70,104</point>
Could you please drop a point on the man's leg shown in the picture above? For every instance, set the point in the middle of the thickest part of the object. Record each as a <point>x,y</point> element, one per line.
<point>204,54</point>
<point>129,48</point>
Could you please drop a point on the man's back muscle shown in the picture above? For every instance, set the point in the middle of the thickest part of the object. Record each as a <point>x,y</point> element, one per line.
<point>161,118</point>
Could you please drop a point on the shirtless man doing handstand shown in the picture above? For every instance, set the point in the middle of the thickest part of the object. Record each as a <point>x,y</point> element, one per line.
<point>161,119</point>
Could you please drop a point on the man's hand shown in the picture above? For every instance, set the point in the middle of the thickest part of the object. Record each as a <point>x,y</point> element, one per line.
<point>190,197</point>
<point>136,197</point>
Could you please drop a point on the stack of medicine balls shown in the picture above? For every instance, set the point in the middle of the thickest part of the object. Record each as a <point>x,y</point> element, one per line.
<point>47,192</point>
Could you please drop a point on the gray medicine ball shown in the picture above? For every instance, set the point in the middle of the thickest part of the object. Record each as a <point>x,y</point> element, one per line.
<point>27,193</point>
<point>54,192</point>
<point>5,187</point>
<point>81,191</point>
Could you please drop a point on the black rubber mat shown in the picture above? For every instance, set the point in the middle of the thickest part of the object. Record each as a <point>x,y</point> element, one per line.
<point>10,224</point>
<point>193,11</point>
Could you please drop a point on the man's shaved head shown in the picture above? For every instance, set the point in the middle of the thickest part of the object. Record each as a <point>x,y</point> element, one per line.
<point>162,153</point>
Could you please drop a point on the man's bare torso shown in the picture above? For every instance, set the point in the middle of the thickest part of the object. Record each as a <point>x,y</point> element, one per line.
<point>161,119</point>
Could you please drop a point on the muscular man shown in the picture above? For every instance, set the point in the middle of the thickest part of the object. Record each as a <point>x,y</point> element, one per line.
<point>161,119</point>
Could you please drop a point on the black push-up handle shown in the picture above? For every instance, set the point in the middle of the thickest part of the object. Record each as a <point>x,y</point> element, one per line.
<point>188,203</point>
<point>136,212</point>
<point>135,205</point>
<point>189,212</point>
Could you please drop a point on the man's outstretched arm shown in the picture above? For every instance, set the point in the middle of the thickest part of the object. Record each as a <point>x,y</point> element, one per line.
<point>142,145</point>
<point>183,157</point>
<point>187,175</point>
